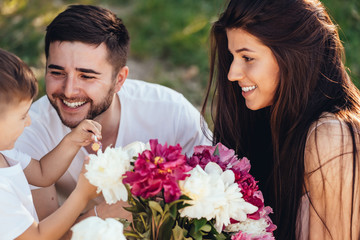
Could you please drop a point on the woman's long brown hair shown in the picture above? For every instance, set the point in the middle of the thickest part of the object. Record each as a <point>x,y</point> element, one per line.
<point>313,80</point>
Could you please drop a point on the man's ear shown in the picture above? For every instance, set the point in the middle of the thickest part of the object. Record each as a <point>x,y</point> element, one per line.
<point>121,77</point>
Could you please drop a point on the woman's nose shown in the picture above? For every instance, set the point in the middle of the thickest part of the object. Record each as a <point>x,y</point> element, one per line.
<point>235,72</point>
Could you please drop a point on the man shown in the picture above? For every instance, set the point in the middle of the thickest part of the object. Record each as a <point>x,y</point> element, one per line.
<point>86,49</point>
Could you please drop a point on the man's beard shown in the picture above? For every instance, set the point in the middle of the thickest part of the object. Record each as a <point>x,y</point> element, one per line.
<point>95,110</point>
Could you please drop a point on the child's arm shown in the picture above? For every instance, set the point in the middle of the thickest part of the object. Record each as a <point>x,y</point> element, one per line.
<point>53,165</point>
<point>55,225</point>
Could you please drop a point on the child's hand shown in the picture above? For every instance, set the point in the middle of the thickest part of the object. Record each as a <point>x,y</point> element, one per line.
<point>84,186</point>
<point>85,133</point>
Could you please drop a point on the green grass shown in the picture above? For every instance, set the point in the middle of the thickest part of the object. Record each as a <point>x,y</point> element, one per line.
<point>346,14</point>
<point>172,33</point>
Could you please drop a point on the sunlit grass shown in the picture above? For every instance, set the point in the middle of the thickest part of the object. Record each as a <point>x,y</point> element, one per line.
<point>173,34</point>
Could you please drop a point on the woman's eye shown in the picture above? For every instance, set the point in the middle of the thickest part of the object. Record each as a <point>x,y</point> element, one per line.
<point>247,59</point>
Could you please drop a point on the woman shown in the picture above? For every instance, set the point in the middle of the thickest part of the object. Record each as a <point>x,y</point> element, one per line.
<point>283,99</point>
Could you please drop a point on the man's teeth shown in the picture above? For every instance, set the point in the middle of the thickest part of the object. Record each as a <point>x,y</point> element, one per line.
<point>73,104</point>
<point>246,89</point>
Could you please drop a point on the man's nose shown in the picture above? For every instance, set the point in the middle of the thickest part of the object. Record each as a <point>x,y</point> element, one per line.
<point>71,86</point>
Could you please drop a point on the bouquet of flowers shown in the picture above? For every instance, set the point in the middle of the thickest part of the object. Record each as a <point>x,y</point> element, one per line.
<point>210,195</point>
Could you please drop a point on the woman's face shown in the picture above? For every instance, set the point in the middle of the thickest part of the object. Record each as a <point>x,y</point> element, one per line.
<point>254,67</point>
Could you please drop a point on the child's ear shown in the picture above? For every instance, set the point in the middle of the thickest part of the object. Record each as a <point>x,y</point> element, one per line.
<point>121,77</point>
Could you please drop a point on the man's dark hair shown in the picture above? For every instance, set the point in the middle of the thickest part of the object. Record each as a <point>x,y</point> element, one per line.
<point>91,25</point>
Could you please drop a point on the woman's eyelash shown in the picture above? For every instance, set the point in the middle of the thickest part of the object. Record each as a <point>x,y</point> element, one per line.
<point>248,58</point>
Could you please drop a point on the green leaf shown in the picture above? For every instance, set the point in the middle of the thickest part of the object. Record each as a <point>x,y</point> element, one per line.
<point>178,233</point>
<point>165,228</point>
<point>199,223</point>
<point>206,228</point>
<point>166,208</point>
<point>156,206</point>
<point>197,235</point>
<point>173,211</point>
<point>216,152</point>
<point>184,197</point>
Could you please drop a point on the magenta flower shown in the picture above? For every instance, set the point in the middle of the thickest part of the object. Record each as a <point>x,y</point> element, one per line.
<point>158,169</point>
<point>219,154</point>
<point>203,158</point>
<point>244,236</point>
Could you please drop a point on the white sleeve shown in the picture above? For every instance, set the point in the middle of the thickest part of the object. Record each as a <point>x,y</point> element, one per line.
<point>14,217</point>
<point>14,155</point>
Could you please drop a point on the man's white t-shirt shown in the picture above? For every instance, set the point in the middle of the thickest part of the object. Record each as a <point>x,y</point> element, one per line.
<point>148,111</point>
<point>17,211</point>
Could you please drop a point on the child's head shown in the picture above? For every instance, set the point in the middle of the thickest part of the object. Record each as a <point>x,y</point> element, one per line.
<point>18,87</point>
<point>17,81</point>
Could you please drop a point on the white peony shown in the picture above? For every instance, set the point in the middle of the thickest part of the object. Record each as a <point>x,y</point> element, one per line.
<point>256,228</point>
<point>94,228</point>
<point>200,187</point>
<point>214,195</point>
<point>105,171</point>
<point>133,149</point>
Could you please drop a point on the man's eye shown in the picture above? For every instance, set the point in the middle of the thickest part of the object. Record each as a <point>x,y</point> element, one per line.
<point>55,73</point>
<point>87,77</point>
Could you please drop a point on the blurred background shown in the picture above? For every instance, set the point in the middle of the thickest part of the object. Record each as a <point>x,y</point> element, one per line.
<point>169,38</point>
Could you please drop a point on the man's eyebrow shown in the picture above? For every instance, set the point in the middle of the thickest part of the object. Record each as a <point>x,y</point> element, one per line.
<point>55,67</point>
<point>86,70</point>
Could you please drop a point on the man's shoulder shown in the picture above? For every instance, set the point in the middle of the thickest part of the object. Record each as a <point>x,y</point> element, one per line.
<point>41,106</point>
<point>41,110</point>
<point>147,91</point>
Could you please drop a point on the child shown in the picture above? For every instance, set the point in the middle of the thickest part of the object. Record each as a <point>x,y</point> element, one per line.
<point>18,218</point>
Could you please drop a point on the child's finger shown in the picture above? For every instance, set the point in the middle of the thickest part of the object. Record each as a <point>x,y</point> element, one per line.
<point>96,129</point>
<point>93,127</point>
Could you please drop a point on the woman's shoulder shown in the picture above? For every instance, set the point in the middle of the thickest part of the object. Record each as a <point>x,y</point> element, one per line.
<point>329,138</point>
<point>330,125</point>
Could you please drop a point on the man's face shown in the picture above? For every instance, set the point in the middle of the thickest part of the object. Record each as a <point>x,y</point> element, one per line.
<point>79,81</point>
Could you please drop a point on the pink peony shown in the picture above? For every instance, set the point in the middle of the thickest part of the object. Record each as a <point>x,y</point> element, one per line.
<point>157,169</point>
<point>202,158</point>
<point>219,154</point>
<point>244,236</point>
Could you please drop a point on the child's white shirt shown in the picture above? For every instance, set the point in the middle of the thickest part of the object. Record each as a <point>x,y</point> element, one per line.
<point>17,211</point>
